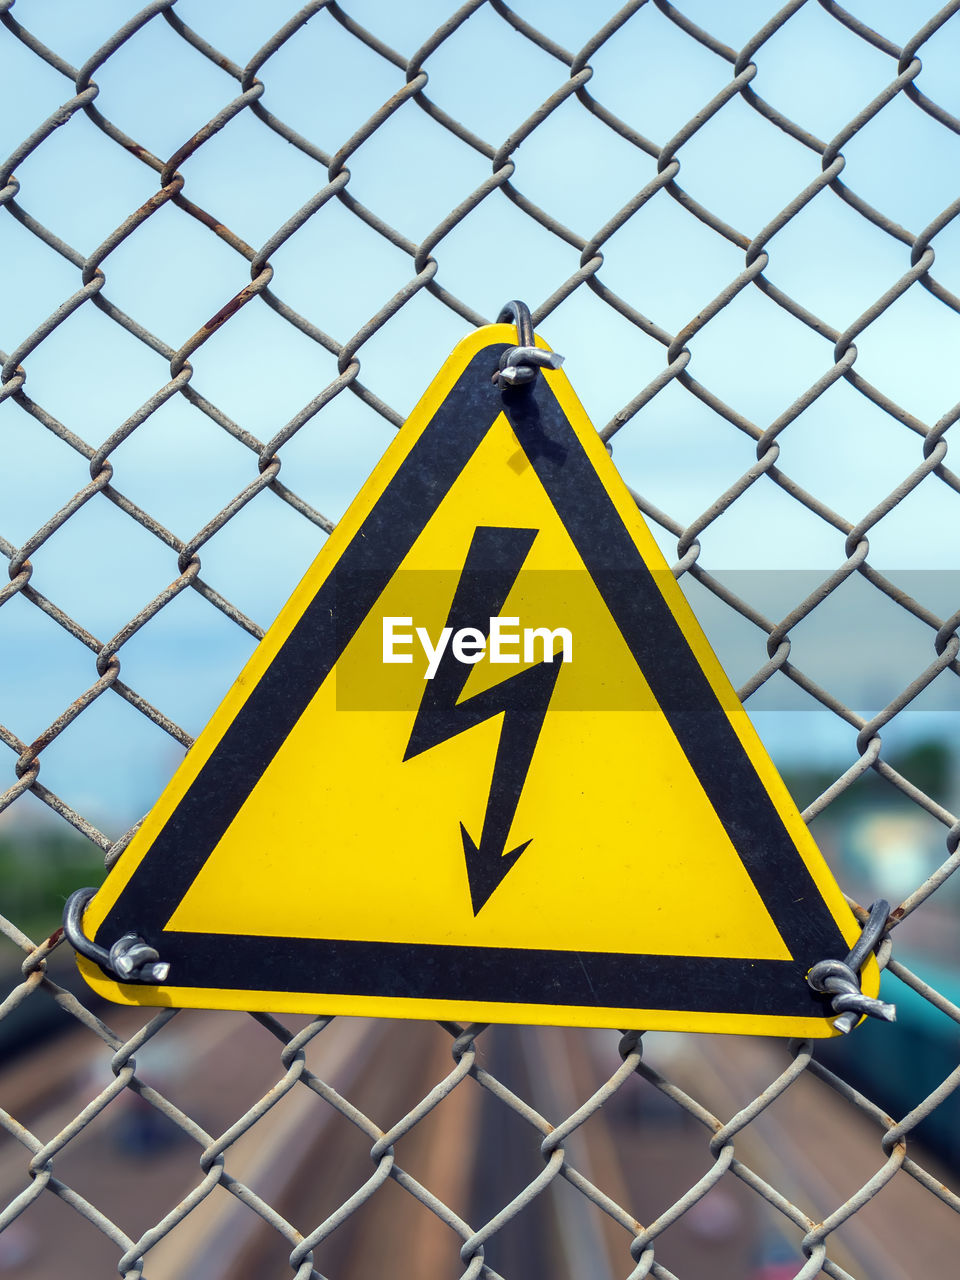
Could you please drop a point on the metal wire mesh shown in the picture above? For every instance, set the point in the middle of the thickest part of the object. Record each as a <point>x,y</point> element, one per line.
<point>238,1186</point>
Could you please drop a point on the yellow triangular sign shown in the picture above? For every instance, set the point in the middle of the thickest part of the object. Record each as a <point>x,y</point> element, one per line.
<point>484,766</point>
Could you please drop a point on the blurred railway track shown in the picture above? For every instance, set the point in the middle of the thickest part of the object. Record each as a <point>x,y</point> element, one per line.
<point>305,1158</point>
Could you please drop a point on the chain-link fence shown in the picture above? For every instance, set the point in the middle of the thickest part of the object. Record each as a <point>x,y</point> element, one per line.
<point>752,311</point>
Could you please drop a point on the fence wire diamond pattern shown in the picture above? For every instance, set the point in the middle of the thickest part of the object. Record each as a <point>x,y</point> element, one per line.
<point>359,224</point>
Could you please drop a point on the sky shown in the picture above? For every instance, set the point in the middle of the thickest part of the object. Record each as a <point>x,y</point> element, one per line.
<point>173,273</point>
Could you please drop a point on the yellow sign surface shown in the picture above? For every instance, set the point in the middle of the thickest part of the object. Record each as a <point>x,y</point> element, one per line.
<point>484,766</point>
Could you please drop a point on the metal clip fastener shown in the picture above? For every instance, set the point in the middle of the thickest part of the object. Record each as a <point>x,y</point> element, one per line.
<point>840,978</point>
<point>130,958</point>
<point>520,364</point>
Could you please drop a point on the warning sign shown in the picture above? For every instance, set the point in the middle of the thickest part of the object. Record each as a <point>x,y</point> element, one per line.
<point>484,766</point>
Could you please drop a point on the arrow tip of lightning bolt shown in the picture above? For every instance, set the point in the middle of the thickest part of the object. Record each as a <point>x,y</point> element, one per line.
<point>486,867</point>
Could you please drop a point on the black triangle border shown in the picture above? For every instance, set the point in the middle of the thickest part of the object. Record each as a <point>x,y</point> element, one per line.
<point>482,974</point>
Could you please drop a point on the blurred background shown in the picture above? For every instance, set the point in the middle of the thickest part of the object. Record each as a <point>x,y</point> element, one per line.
<point>227,277</point>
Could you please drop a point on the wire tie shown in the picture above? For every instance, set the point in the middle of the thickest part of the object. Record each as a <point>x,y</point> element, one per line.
<point>840,979</point>
<point>130,959</point>
<point>520,364</point>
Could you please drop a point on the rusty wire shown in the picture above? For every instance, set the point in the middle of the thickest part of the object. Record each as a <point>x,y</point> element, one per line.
<point>248,96</point>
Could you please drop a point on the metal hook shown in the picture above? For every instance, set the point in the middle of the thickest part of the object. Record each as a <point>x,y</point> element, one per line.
<point>840,978</point>
<point>520,364</point>
<point>130,958</point>
<point>518,313</point>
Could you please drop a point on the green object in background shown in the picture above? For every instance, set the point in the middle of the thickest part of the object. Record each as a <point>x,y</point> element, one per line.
<point>38,872</point>
<point>898,1065</point>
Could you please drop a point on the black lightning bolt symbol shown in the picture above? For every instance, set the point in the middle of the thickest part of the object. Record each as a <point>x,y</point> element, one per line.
<point>493,562</point>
